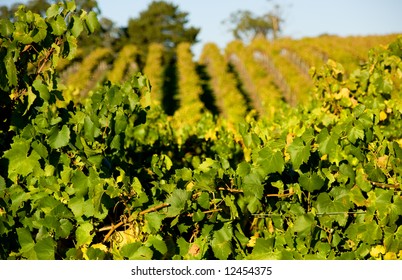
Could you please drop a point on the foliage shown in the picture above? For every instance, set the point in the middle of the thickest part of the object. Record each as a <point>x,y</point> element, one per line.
<point>190,89</point>
<point>230,101</point>
<point>162,23</point>
<point>110,178</point>
<point>247,26</point>
<point>154,70</point>
<point>122,64</point>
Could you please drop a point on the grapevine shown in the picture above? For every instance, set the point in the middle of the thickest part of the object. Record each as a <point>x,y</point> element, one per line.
<point>110,177</point>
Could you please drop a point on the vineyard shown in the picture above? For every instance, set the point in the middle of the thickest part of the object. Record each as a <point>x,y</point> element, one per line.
<point>289,149</point>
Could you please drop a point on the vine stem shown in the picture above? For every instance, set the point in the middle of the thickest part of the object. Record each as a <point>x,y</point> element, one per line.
<point>113,227</point>
<point>268,195</point>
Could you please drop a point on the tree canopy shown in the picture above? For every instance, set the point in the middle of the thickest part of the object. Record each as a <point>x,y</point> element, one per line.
<point>246,26</point>
<point>162,23</point>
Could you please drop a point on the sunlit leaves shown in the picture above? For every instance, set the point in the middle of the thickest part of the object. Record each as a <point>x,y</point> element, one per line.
<point>83,234</point>
<point>43,249</point>
<point>91,22</point>
<point>304,224</point>
<point>253,186</point>
<point>221,242</point>
<point>21,161</point>
<point>59,138</point>
<point>311,181</point>
<point>299,152</point>
<point>58,25</point>
<point>6,27</point>
<point>108,178</point>
<point>10,68</point>
<point>177,202</point>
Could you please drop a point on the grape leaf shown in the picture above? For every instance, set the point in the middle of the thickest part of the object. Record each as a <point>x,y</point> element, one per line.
<point>157,242</point>
<point>355,133</point>
<point>299,152</point>
<point>270,161</point>
<point>311,181</point>
<point>45,248</point>
<point>58,25</point>
<point>6,27</point>
<point>177,202</point>
<point>252,186</point>
<point>10,68</point>
<point>59,138</point>
<point>83,234</point>
<point>52,11</point>
<point>304,224</point>
<point>221,242</point>
<point>92,22</point>
<point>327,143</point>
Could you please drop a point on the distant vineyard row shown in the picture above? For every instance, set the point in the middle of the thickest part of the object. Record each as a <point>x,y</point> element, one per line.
<point>261,74</point>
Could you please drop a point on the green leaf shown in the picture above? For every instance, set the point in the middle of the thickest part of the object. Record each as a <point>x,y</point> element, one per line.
<point>335,208</point>
<point>21,33</point>
<point>89,129</point>
<point>42,89</point>
<point>253,204</point>
<point>177,201</point>
<point>58,25</point>
<point>374,173</point>
<point>92,22</point>
<point>153,222</point>
<point>45,249</point>
<point>59,138</point>
<point>311,182</point>
<point>206,165</point>
<point>80,183</point>
<point>70,6</point>
<point>25,239</point>
<point>355,133</point>
<point>10,68</point>
<point>134,251</point>
<point>19,161</point>
<point>83,234</point>
<point>264,250</point>
<point>221,242</point>
<point>204,200</point>
<point>70,47</point>
<point>184,174</point>
<point>2,186</point>
<point>326,143</point>
<point>6,27</point>
<point>52,11</point>
<point>243,169</point>
<point>120,122</point>
<point>40,32</point>
<point>157,242</point>
<point>76,204</point>
<point>64,229</point>
<point>31,99</point>
<point>252,186</point>
<point>304,224</point>
<point>299,153</point>
<point>270,161</point>
<point>198,216</point>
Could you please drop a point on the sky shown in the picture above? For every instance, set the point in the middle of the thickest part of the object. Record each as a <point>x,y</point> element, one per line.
<point>302,18</point>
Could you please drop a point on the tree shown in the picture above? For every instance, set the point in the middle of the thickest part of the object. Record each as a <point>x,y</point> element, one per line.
<point>248,26</point>
<point>161,23</point>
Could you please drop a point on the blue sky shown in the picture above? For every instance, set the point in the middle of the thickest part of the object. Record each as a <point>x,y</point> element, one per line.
<point>303,18</point>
